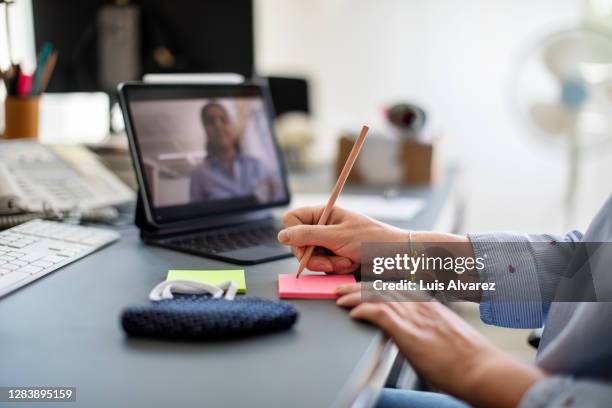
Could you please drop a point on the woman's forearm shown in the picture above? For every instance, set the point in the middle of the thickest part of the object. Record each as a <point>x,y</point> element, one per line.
<point>499,381</point>
<point>457,246</point>
<point>451,242</point>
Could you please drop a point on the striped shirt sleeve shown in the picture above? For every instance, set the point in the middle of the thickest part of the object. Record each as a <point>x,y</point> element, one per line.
<point>520,264</point>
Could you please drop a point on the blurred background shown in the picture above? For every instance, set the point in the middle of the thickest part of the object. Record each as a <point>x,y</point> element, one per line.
<point>513,98</point>
<point>464,63</point>
<point>459,61</point>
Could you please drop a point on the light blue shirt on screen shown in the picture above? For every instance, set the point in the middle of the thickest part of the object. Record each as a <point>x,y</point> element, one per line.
<point>210,181</point>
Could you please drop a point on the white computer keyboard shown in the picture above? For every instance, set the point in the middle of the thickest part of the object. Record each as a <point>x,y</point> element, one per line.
<point>36,248</point>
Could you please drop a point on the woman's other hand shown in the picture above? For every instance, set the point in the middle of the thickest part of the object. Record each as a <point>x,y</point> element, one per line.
<point>445,350</point>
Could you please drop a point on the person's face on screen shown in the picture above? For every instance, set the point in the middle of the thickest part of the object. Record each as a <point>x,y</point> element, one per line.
<point>218,127</point>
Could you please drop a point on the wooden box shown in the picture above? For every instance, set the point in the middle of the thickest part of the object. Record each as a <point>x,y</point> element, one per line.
<point>414,158</point>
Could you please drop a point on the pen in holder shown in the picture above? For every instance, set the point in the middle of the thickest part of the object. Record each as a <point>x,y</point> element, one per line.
<point>21,105</point>
<point>21,117</point>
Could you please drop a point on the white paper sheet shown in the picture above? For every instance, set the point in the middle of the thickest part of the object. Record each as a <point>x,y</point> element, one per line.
<point>375,206</point>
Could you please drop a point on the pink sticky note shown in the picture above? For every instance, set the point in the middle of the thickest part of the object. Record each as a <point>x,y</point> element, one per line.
<point>311,286</point>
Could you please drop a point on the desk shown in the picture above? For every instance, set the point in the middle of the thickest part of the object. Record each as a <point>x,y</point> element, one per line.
<point>63,330</point>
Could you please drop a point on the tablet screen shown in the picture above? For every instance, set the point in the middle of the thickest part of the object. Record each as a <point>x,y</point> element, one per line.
<point>205,150</point>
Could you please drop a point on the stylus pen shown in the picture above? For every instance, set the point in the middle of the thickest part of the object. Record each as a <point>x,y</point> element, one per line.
<point>346,170</point>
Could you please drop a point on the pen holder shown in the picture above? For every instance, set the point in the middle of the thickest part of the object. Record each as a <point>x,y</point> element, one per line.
<point>21,117</point>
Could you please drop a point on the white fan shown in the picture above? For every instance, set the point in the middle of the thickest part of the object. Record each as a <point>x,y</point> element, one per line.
<point>562,90</point>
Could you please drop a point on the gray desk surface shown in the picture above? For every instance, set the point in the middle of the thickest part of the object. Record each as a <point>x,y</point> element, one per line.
<point>63,330</point>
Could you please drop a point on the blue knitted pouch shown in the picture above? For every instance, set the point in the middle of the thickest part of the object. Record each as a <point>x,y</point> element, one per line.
<point>201,317</point>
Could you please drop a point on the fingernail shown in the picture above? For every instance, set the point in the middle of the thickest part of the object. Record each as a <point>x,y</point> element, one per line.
<point>283,236</point>
<point>339,288</point>
<point>344,263</point>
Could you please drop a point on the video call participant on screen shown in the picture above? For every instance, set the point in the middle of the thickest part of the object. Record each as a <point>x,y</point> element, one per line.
<point>226,172</point>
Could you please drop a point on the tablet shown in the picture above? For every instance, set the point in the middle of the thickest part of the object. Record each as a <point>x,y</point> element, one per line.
<point>203,150</point>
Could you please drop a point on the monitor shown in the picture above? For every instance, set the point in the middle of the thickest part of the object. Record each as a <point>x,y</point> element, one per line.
<point>202,150</point>
<point>178,36</point>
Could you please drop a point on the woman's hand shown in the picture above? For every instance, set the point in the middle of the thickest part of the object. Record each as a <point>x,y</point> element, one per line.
<point>445,350</point>
<point>341,237</point>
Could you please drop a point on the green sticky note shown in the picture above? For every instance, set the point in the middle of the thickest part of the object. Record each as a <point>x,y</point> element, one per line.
<point>211,276</point>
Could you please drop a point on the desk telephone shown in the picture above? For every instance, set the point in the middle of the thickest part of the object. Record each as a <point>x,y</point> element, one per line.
<point>48,181</point>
